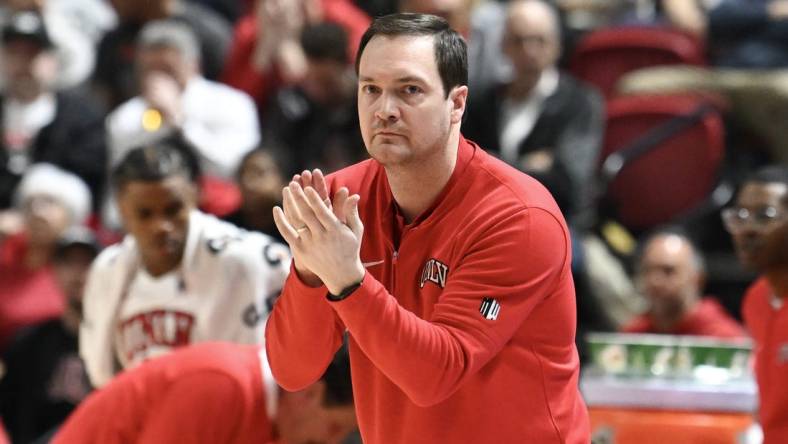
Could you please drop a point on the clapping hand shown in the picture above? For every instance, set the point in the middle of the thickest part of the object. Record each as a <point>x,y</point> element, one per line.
<point>324,235</point>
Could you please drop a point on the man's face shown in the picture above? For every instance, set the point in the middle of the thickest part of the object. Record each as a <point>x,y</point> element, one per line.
<point>760,232</point>
<point>404,114</point>
<point>157,215</point>
<point>260,180</point>
<point>325,81</point>
<point>301,418</point>
<point>530,39</point>
<point>165,60</point>
<point>46,218</point>
<point>28,68</point>
<point>667,275</point>
<point>71,271</point>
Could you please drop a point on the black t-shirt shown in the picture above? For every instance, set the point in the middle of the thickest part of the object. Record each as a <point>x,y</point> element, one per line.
<point>45,380</point>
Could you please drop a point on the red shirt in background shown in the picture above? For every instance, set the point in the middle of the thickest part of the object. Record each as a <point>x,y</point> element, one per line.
<point>708,318</point>
<point>27,296</point>
<point>239,72</point>
<point>206,393</point>
<point>463,329</point>
<point>766,316</point>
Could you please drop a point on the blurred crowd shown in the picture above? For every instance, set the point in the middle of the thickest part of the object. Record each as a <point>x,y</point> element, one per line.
<point>156,136</point>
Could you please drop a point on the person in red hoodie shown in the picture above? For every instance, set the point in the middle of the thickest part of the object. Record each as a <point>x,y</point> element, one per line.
<point>758,224</point>
<point>212,393</point>
<point>670,274</point>
<point>449,269</point>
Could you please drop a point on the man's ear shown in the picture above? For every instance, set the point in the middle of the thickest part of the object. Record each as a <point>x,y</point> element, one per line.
<point>458,97</point>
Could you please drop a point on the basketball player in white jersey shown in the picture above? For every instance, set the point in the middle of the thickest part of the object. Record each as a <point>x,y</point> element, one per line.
<point>180,276</point>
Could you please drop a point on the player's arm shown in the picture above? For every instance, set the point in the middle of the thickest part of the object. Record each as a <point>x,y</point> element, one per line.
<point>255,268</point>
<point>95,341</point>
<point>509,269</point>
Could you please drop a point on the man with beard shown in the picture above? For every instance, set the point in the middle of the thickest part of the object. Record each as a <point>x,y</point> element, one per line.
<point>180,276</point>
<point>759,227</point>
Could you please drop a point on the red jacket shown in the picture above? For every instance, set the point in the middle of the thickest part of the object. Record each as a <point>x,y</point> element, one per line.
<point>707,318</point>
<point>767,321</point>
<point>27,296</point>
<point>463,329</point>
<point>206,393</point>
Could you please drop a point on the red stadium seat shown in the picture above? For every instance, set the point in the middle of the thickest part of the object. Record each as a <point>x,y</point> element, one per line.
<point>661,157</point>
<point>604,55</point>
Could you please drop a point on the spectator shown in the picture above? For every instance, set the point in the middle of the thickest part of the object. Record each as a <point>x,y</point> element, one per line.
<point>214,393</point>
<point>39,124</point>
<point>266,53</point>
<point>543,122</point>
<point>759,227</point>
<point>114,77</point>
<point>218,121</point>
<point>317,120</point>
<point>670,273</point>
<point>481,23</point>
<point>45,379</point>
<point>179,277</point>
<point>74,27</point>
<point>261,178</point>
<point>50,201</point>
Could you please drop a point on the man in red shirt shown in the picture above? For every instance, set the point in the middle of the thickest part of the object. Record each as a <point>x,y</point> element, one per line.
<point>458,298</point>
<point>758,223</point>
<point>671,276</point>
<point>213,392</point>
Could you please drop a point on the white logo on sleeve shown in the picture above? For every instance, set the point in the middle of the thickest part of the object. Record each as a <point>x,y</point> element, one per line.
<point>490,309</point>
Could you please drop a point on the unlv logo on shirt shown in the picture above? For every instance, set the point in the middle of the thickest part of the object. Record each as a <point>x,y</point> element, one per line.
<point>434,271</point>
<point>155,328</point>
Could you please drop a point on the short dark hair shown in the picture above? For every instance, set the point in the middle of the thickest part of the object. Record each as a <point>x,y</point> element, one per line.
<point>156,161</point>
<point>339,389</point>
<point>281,157</point>
<point>451,52</point>
<point>325,41</point>
<point>770,174</point>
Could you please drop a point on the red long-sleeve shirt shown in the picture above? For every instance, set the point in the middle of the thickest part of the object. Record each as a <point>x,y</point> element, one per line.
<point>207,393</point>
<point>766,316</point>
<point>707,318</point>
<point>463,329</point>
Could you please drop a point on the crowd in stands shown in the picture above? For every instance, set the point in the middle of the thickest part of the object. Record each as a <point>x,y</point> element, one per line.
<point>155,137</point>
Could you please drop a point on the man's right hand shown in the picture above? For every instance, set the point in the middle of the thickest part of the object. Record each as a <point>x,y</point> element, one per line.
<point>317,181</point>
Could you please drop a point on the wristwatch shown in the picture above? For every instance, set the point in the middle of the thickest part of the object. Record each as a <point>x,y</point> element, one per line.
<point>347,291</point>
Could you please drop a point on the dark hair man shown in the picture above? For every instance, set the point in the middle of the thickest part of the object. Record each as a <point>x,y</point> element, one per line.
<point>459,299</point>
<point>180,276</point>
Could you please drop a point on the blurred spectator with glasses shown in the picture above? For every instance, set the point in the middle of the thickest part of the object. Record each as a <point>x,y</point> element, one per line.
<point>671,275</point>
<point>759,227</point>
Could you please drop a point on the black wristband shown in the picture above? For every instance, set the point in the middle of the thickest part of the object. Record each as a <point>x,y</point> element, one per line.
<point>347,291</point>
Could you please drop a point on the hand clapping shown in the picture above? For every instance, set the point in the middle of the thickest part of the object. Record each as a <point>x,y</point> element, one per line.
<point>324,236</point>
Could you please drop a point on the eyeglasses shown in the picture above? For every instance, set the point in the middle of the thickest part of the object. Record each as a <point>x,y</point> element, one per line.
<point>735,218</point>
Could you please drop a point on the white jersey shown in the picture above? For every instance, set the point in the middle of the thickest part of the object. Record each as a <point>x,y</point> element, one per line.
<point>223,289</point>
